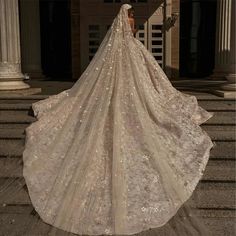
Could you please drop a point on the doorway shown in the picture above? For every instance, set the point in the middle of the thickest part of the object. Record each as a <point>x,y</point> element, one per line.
<point>55,27</point>
<point>197,37</point>
<point>96,18</point>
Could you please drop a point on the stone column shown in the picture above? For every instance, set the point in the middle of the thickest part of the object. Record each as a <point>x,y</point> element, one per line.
<point>30,38</point>
<point>225,47</point>
<point>11,77</point>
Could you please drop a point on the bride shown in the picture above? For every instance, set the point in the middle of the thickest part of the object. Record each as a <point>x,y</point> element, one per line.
<point>122,150</point>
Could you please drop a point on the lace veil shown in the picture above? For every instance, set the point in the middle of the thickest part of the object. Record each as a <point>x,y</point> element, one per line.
<point>118,153</point>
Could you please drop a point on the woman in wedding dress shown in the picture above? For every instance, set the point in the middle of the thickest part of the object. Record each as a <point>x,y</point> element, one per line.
<point>122,150</point>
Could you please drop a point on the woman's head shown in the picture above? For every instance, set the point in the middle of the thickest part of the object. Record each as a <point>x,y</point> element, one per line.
<point>131,12</point>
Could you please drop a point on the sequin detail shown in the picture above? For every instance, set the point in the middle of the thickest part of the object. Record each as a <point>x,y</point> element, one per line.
<point>121,150</point>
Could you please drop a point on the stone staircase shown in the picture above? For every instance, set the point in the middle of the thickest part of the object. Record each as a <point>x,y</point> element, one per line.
<point>215,192</point>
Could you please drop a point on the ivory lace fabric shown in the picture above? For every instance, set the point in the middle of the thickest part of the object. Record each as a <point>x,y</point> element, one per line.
<point>120,151</point>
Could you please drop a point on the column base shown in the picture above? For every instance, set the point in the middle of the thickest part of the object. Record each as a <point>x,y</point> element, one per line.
<point>227,90</point>
<point>13,85</point>
<point>231,78</point>
<point>224,94</point>
<point>19,92</point>
<point>218,76</point>
<point>229,87</point>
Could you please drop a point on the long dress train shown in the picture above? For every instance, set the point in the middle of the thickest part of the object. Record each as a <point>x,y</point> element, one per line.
<point>122,150</point>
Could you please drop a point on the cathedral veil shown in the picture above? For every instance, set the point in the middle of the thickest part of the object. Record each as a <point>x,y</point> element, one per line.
<point>120,152</point>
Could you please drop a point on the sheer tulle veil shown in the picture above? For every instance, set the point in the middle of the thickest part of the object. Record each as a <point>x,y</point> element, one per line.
<point>119,153</point>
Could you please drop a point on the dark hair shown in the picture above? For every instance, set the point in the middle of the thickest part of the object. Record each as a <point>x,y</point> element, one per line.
<point>130,9</point>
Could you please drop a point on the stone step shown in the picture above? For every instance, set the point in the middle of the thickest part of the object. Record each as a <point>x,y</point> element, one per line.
<point>197,89</point>
<point>11,167</point>
<point>220,222</point>
<point>201,96</point>
<point>216,213</point>
<point>11,147</point>
<point>221,132</point>
<point>14,110</point>
<point>216,170</point>
<point>14,113</point>
<point>219,105</point>
<point>12,134</point>
<point>203,101</point>
<point>224,150</point>
<point>14,148</point>
<point>215,195</point>
<point>207,213</point>
<point>29,223</point>
<point>15,107</point>
<point>217,133</point>
<point>207,95</point>
<point>11,126</point>
<point>222,118</point>
<point>207,194</point>
<point>197,82</point>
<point>21,99</point>
<point>30,98</point>
<point>16,119</point>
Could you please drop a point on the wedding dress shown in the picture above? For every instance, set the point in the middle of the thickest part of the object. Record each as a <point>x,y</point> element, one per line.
<point>122,150</point>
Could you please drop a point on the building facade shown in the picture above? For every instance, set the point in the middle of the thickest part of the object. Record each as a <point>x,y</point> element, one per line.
<point>58,38</point>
